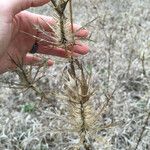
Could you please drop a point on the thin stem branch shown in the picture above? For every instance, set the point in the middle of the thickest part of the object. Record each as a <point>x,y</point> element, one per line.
<point>143,64</point>
<point>142,131</point>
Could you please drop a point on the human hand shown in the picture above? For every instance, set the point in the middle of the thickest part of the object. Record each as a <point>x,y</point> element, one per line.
<point>15,44</point>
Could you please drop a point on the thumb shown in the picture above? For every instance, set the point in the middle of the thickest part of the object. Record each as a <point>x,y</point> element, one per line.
<point>12,7</point>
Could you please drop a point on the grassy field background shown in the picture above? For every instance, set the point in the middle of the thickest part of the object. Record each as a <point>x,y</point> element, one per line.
<point>119,58</point>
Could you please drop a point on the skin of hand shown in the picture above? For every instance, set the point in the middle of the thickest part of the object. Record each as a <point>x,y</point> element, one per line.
<point>14,43</point>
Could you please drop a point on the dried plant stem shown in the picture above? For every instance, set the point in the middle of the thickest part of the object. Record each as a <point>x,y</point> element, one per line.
<point>73,41</point>
<point>83,130</point>
<point>63,37</point>
<point>27,80</point>
<point>130,62</point>
<point>60,8</point>
<point>30,84</point>
<point>54,3</point>
<point>110,42</point>
<point>71,19</point>
<point>79,80</point>
<point>143,64</point>
<point>40,93</point>
<point>142,131</point>
<point>108,69</point>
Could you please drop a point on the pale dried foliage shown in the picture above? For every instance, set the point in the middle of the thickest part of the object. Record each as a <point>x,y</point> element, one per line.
<point>98,102</point>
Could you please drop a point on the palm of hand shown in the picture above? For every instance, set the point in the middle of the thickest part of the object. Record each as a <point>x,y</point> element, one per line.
<point>15,44</point>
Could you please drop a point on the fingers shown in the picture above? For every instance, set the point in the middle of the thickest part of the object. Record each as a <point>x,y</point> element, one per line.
<point>43,21</point>
<point>30,22</point>
<point>76,49</point>
<point>34,60</point>
<point>79,31</point>
<point>79,48</point>
<point>31,19</point>
<point>52,51</point>
<point>16,6</point>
